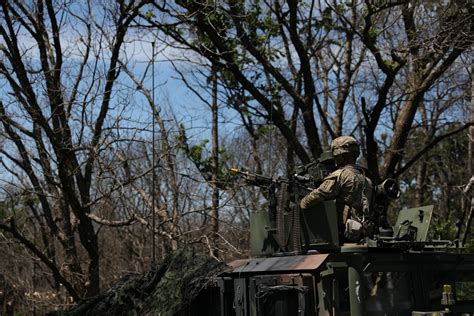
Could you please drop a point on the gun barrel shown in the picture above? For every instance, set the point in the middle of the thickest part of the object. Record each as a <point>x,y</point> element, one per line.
<point>252,178</point>
<point>297,184</point>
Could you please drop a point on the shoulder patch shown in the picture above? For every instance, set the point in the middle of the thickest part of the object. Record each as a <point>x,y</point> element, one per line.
<point>327,185</point>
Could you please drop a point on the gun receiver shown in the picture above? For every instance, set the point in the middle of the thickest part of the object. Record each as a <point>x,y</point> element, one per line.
<point>296,184</point>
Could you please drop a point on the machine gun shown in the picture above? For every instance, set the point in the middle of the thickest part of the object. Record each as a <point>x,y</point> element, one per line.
<point>284,218</point>
<point>306,178</point>
<point>295,184</point>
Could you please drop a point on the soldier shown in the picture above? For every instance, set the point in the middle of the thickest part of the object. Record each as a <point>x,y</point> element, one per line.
<point>349,186</point>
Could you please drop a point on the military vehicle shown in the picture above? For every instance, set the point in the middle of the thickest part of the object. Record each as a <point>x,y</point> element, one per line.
<point>299,267</point>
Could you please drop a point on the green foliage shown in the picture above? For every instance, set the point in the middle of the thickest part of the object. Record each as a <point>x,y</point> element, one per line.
<point>465,291</point>
<point>445,172</point>
<point>325,21</point>
<point>16,204</point>
<point>149,15</point>
<point>28,198</point>
<point>373,32</point>
<point>392,65</point>
<point>195,153</point>
<point>203,162</point>
<point>182,139</point>
<point>246,112</point>
<point>262,130</point>
<point>444,230</point>
<point>445,176</point>
<point>469,245</point>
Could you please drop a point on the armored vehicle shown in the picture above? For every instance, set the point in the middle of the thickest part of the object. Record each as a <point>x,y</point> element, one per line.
<point>299,267</point>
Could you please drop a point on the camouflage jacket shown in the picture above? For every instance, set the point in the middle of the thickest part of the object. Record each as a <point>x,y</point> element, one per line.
<point>351,189</point>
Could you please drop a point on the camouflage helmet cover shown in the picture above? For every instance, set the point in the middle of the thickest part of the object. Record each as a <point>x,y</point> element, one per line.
<point>344,144</point>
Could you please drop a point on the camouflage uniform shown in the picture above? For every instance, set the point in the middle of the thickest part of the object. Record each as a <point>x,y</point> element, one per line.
<point>348,185</point>
<point>351,189</point>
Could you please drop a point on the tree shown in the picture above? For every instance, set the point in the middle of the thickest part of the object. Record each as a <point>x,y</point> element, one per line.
<point>267,52</point>
<point>54,114</point>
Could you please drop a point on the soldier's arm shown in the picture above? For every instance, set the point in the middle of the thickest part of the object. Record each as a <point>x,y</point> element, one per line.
<point>328,190</point>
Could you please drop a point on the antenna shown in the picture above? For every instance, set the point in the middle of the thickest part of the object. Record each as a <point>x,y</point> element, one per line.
<point>153,174</point>
<point>270,145</point>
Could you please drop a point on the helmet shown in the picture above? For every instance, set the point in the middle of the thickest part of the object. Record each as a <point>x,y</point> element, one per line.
<point>345,144</point>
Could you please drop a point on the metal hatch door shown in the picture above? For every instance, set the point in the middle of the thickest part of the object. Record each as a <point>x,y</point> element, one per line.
<point>415,222</point>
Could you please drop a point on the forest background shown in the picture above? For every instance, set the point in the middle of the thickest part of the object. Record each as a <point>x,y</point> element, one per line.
<point>100,100</point>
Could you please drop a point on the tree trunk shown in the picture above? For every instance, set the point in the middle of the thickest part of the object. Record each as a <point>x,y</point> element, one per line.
<point>420,183</point>
<point>471,161</point>
<point>471,129</point>
<point>215,165</point>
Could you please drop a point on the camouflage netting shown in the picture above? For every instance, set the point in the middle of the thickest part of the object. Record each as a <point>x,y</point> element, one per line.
<point>170,288</point>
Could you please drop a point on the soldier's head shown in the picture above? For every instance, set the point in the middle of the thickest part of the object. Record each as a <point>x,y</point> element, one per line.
<point>345,150</point>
